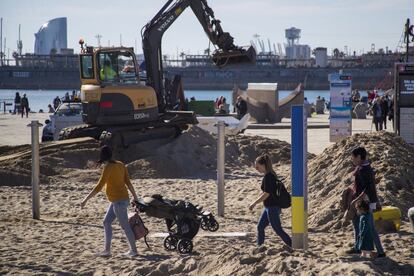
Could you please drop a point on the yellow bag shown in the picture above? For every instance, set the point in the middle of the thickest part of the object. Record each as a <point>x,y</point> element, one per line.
<point>388,219</point>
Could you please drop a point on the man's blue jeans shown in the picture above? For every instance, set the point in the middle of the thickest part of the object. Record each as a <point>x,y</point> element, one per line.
<point>271,215</point>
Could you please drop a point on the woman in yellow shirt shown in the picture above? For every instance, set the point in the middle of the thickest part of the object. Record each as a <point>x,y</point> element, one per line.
<point>116,180</point>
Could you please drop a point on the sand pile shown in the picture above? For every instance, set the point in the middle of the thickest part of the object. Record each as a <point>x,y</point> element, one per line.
<point>194,154</point>
<point>324,258</point>
<point>56,160</point>
<point>331,172</point>
<point>191,154</point>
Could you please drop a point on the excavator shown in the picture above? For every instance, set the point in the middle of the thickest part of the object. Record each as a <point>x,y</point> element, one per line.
<point>120,108</point>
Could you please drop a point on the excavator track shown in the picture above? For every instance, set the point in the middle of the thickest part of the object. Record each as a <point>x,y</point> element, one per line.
<point>170,125</point>
<point>79,131</point>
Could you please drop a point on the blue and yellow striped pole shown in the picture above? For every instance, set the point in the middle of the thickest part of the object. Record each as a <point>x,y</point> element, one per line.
<point>299,178</point>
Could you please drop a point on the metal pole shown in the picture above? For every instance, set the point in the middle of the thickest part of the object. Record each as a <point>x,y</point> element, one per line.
<point>35,169</point>
<point>220,167</point>
<point>299,178</point>
<point>1,41</point>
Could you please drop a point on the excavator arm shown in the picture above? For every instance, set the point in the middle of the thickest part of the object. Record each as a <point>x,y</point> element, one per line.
<point>227,53</point>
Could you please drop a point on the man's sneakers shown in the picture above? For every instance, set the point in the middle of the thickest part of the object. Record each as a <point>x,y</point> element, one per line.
<point>103,254</point>
<point>353,251</point>
<point>130,254</point>
<point>381,255</point>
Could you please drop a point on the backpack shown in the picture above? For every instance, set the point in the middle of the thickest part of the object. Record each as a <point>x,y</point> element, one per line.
<point>138,227</point>
<point>283,197</point>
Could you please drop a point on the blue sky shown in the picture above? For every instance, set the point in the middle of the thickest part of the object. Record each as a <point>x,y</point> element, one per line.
<point>329,23</point>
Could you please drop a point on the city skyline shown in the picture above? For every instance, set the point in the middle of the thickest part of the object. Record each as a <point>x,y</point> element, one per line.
<point>332,24</point>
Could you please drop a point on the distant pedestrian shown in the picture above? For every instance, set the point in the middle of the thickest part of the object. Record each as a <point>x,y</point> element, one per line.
<point>377,114</point>
<point>56,102</point>
<point>391,112</point>
<point>51,109</point>
<point>241,107</point>
<point>271,212</point>
<point>116,181</point>
<point>384,110</point>
<point>25,105</point>
<point>67,97</point>
<point>17,103</point>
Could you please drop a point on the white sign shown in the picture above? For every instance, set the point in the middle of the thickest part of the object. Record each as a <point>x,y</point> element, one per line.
<point>340,107</point>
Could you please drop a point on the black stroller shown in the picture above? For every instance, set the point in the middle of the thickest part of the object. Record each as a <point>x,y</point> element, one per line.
<point>183,220</point>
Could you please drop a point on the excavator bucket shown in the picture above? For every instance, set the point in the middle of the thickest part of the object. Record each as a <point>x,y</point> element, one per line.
<point>234,57</point>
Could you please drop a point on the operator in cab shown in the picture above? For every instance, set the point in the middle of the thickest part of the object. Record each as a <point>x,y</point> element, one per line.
<point>107,73</point>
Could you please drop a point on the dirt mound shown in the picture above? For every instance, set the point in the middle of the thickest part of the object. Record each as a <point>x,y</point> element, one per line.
<point>331,172</point>
<point>56,159</point>
<point>236,259</point>
<point>193,153</point>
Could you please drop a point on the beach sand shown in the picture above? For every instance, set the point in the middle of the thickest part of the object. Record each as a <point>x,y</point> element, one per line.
<point>64,240</point>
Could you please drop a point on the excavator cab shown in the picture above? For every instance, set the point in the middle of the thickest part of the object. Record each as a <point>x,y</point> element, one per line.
<point>111,90</point>
<point>239,56</point>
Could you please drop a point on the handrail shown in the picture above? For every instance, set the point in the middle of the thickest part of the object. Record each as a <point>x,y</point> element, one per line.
<point>6,103</point>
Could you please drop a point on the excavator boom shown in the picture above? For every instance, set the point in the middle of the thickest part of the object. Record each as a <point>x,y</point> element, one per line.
<point>226,54</point>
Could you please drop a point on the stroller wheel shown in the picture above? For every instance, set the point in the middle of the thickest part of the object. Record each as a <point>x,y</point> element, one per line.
<point>204,224</point>
<point>170,243</point>
<point>185,246</point>
<point>213,225</point>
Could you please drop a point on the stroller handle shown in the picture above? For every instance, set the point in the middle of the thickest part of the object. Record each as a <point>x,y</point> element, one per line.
<point>140,205</point>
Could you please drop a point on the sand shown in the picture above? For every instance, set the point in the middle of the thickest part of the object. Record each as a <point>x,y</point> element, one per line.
<point>64,240</point>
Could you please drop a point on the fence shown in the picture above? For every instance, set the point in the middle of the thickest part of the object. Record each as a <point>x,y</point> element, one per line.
<point>6,104</point>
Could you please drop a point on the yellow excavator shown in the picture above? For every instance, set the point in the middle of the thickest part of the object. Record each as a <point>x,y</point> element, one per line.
<point>120,108</point>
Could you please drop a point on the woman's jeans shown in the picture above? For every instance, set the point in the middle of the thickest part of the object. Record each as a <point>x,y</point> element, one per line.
<point>377,241</point>
<point>118,209</point>
<point>271,215</point>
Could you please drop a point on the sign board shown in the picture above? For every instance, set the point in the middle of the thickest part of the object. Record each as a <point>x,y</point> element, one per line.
<point>404,101</point>
<point>340,106</point>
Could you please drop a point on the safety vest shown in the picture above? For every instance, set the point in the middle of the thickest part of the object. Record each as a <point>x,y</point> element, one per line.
<point>107,73</point>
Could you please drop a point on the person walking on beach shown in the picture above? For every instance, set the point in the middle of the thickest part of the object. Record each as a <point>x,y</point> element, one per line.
<point>17,103</point>
<point>271,212</point>
<point>25,105</point>
<point>377,114</point>
<point>364,187</point>
<point>384,109</point>
<point>365,242</point>
<point>116,179</point>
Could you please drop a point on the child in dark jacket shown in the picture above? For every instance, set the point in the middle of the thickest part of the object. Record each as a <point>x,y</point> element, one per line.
<point>365,239</point>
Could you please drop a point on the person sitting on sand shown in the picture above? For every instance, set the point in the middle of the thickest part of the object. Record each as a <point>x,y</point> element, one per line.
<point>364,187</point>
<point>115,177</point>
<point>365,243</point>
<point>271,211</point>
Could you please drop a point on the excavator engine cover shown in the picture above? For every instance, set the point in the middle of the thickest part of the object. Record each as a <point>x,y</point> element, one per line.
<point>234,57</point>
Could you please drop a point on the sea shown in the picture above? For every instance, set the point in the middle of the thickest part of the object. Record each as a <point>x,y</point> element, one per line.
<point>39,99</point>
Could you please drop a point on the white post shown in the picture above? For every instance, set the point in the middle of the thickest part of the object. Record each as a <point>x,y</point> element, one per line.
<point>220,167</point>
<point>35,169</point>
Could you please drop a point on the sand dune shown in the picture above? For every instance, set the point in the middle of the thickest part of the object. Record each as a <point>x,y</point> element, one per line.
<point>64,240</point>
